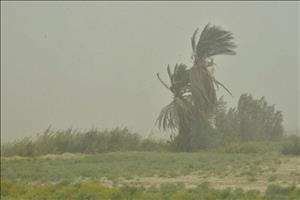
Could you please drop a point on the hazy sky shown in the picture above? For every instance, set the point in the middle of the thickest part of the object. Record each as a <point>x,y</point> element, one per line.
<point>94,64</point>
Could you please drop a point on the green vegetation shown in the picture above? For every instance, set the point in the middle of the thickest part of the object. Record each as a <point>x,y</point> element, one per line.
<point>251,147</point>
<point>139,164</point>
<point>116,140</point>
<point>194,90</point>
<point>291,145</point>
<point>73,141</point>
<point>196,116</point>
<point>150,175</point>
<point>92,190</point>
<point>252,120</point>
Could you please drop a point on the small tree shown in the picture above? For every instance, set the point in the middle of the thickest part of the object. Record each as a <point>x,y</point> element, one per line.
<point>226,123</point>
<point>258,120</point>
<point>253,119</point>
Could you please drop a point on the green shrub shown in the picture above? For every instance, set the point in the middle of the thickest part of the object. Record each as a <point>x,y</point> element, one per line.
<point>291,145</point>
<point>24,147</point>
<point>73,141</point>
<point>245,147</point>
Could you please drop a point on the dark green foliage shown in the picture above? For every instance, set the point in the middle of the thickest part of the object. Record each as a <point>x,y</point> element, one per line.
<point>179,80</point>
<point>72,141</point>
<point>213,41</point>
<point>258,120</point>
<point>177,114</point>
<point>200,119</point>
<point>252,120</point>
<point>291,145</point>
<point>226,124</point>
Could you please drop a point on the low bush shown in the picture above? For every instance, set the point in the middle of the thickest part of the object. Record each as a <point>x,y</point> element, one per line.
<point>291,146</point>
<point>73,141</point>
<point>245,147</point>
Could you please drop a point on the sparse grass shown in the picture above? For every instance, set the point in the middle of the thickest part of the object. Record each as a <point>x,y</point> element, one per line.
<point>251,147</point>
<point>272,178</point>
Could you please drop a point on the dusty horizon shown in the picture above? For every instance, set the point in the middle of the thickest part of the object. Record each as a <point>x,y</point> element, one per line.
<point>94,64</point>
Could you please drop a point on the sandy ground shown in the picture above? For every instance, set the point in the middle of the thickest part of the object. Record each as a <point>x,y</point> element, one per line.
<point>64,156</point>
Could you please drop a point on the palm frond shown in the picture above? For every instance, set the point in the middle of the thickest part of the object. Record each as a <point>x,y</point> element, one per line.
<point>176,114</point>
<point>193,40</point>
<point>184,109</point>
<point>223,86</point>
<point>214,41</point>
<point>162,82</point>
<point>179,79</point>
<point>168,118</point>
<point>170,74</point>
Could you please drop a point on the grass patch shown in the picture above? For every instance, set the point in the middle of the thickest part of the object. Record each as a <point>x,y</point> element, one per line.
<point>131,164</point>
<point>291,146</point>
<point>92,190</point>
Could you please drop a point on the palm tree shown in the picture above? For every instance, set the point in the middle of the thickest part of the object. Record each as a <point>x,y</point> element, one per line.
<point>177,114</point>
<point>194,89</point>
<point>213,41</point>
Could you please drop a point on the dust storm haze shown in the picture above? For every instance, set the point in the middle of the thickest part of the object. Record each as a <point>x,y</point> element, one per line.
<point>94,64</point>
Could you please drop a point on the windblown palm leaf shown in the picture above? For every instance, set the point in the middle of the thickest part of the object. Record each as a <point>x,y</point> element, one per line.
<point>213,41</point>
<point>180,80</point>
<point>177,114</point>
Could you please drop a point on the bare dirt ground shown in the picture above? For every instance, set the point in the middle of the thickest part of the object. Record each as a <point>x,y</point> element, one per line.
<point>64,156</point>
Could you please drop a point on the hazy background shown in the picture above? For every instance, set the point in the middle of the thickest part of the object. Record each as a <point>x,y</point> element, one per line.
<point>93,64</point>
